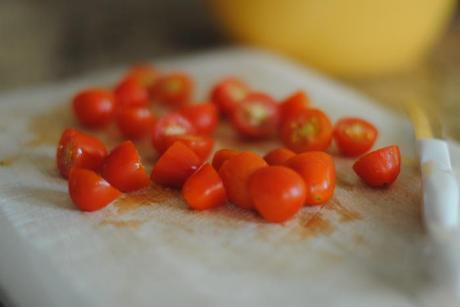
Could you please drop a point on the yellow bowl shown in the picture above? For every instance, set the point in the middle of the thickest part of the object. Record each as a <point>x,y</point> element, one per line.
<point>343,37</point>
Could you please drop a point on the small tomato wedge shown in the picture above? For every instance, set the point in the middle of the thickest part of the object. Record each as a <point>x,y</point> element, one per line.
<point>203,116</point>
<point>308,130</point>
<point>379,168</point>
<point>136,122</point>
<point>174,90</point>
<point>235,174</point>
<point>172,124</point>
<point>123,168</point>
<point>89,191</point>
<point>77,149</point>
<point>143,74</point>
<point>204,189</point>
<point>354,136</point>
<point>278,193</point>
<point>221,156</point>
<point>94,107</point>
<point>175,165</point>
<point>200,144</point>
<point>317,169</point>
<point>278,156</point>
<point>256,116</point>
<point>227,94</point>
<point>130,93</point>
<point>294,104</point>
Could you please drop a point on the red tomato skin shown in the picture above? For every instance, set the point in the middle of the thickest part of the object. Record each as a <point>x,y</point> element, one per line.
<point>77,149</point>
<point>309,130</point>
<point>204,189</point>
<point>295,103</point>
<point>280,199</point>
<point>317,169</point>
<point>136,122</point>
<point>90,192</point>
<point>235,174</point>
<point>244,118</point>
<point>144,74</point>
<point>228,93</point>
<point>167,125</point>
<point>279,156</point>
<point>94,108</point>
<point>130,93</point>
<point>123,168</point>
<point>200,144</point>
<point>174,90</point>
<point>175,165</point>
<point>350,146</point>
<point>379,168</point>
<point>203,116</point>
<point>221,156</point>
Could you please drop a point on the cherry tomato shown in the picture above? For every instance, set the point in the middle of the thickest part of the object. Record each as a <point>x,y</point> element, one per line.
<point>136,122</point>
<point>175,165</point>
<point>143,74</point>
<point>379,168</point>
<point>168,125</point>
<point>308,130</point>
<point>279,199</point>
<point>235,174</point>
<point>200,144</point>
<point>94,107</point>
<point>204,189</point>
<point>294,104</point>
<point>228,93</point>
<point>173,89</point>
<point>89,191</point>
<point>77,149</point>
<point>130,93</point>
<point>278,156</point>
<point>256,116</point>
<point>203,116</point>
<point>123,168</point>
<point>318,172</point>
<point>354,136</point>
<point>221,156</point>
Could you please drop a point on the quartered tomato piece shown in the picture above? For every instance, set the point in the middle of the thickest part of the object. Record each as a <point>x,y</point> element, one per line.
<point>200,144</point>
<point>172,124</point>
<point>123,168</point>
<point>143,74</point>
<point>227,94</point>
<point>77,149</point>
<point>278,156</point>
<point>235,174</point>
<point>203,116</point>
<point>136,122</point>
<point>317,169</point>
<point>354,136</point>
<point>221,156</point>
<point>174,89</point>
<point>94,107</point>
<point>308,130</point>
<point>294,104</point>
<point>256,116</point>
<point>379,168</point>
<point>204,189</point>
<point>130,93</point>
<point>89,191</point>
<point>278,193</point>
<point>175,165</point>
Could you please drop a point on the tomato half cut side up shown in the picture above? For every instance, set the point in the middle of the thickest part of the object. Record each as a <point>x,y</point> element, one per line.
<point>295,103</point>
<point>80,150</point>
<point>278,156</point>
<point>136,122</point>
<point>308,130</point>
<point>169,125</point>
<point>379,168</point>
<point>354,136</point>
<point>173,90</point>
<point>130,93</point>
<point>203,116</point>
<point>227,94</point>
<point>89,191</point>
<point>200,144</point>
<point>94,108</point>
<point>221,156</point>
<point>204,189</point>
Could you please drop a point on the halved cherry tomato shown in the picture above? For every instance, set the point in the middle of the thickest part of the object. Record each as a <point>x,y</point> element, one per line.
<point>168,125</point>
<point>204,189</point>
<point>278,156</point>
<point>308,130</point>
<point>94,107</point>
<point>77,149</point>
<point>293,104</point>
<point>256,116</point>
<point>354,136</point>
<point>203,116</point>
<point>136,122</point>
<point>278,193</point>
<point>173,89</point>
<point>235,174</point>
<point>143,74</point>
<point>379,168</point>
<point>200,144</point>
<point>123,168</point>
<point>89,191</point>
<point>318,172</point>
<point>130,93</point>
<point>221,156</point>
<point>227,94</point>
<point>175,165</point>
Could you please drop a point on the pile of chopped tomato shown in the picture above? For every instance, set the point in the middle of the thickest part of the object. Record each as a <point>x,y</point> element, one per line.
<point>276,185</point>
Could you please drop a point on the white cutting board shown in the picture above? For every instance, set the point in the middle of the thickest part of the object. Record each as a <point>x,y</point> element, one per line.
<point>363,248</point>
